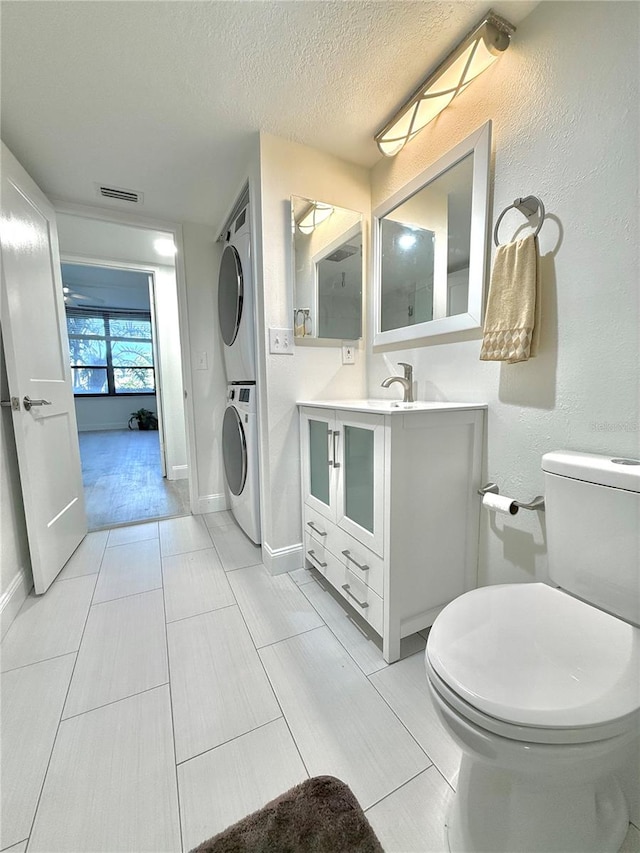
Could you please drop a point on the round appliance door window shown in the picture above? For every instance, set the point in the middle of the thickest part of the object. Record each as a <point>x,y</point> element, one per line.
<point>234,450</point>
<point>230,294</point>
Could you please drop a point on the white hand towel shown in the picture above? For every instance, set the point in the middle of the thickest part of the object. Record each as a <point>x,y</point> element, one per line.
<point>512,305</point>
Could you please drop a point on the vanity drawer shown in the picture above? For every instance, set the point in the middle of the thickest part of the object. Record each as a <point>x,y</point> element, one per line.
<point>316,553</point>
<point>319,527</point>
<point>361,561</point>
<point>361,597</point>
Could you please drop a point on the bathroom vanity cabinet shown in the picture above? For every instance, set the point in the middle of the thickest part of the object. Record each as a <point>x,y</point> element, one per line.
<point>390,509</point>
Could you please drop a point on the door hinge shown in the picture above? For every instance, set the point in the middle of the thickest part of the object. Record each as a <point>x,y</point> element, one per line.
<point>14,402</point>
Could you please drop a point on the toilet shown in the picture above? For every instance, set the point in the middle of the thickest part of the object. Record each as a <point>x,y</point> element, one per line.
<point>539,685</point>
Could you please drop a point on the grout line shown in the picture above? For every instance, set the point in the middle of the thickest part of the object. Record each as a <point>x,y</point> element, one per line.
<point>66,696</point>
<point>179,553</point>
<point>345,647</point>
<point>15,844</point>
<point>75,577</point>
<point>404,784</point>
<point>36,662</point>
<point>113,702</point>
<point>402,723</point>
<point>204,612</point>
<point>240,568</point>
<point>292,636</point>
<point>230,740</point>
<point>275,695</point>
<point>173,725</point>
<point>128,595</point>
<point>133,541</point>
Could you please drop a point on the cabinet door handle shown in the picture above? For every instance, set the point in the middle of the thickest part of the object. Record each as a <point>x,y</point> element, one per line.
<point>317,529</point>
<point>363,568</point>
<point>316,560</point>
<point>347,589</point>
<point>336,433</point>
<point>329,448</point>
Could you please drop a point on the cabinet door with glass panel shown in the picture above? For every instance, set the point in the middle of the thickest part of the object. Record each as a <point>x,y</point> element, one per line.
<point>343,471</point>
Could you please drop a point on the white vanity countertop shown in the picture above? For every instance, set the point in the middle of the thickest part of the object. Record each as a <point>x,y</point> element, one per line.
<point>390,407</point>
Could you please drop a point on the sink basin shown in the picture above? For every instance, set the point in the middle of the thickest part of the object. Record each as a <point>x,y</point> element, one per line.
<point>389,407</point>
<point>396,404</point>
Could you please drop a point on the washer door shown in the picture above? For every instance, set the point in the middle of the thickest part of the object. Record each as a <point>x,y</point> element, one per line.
<point>230,294</point>
<point>234,450</point>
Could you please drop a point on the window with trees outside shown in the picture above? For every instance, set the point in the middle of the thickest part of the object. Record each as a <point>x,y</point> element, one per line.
<point>111,352</point>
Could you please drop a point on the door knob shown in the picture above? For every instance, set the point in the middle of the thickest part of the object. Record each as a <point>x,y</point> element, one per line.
<point>28,403</point>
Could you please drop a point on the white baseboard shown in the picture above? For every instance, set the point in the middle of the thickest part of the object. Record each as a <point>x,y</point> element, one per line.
<point>280,560</point>
<point>211,503</point>
<point>13,598</point>
<point>179,472</point>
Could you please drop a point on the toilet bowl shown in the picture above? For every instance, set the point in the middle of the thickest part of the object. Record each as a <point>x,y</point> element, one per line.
<point>540,689</point>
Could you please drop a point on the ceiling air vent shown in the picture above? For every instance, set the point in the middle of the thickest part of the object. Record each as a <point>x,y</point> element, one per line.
<point>120,194</point>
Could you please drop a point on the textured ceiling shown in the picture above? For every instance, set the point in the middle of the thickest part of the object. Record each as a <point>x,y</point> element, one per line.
<point>164,97</point>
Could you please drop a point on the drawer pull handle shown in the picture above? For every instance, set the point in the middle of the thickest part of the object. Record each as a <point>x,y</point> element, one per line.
<point>317,529</point>
<point>363,568</point>
<point>347,589</point>
<point>316,560</point>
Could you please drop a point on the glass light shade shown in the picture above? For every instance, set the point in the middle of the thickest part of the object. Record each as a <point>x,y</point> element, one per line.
<point>469,59</point>
<point>317,214</point>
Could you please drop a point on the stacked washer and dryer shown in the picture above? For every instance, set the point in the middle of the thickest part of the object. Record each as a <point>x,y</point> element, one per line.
<point>239,428</point>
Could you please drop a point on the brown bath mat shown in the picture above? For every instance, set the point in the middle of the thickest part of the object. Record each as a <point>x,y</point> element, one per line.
<point>321,815</point>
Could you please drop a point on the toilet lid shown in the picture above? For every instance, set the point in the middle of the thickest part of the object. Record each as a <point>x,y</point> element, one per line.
<point>532,655</point>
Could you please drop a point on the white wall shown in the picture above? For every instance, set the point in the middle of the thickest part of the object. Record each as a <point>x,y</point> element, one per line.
<point>202,260</point>
<point>95,413</point>
<point>564,102</point>
<point>282,169</point>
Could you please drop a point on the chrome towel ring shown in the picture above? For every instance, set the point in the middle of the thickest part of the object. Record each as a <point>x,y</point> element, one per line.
<point>530,205</point>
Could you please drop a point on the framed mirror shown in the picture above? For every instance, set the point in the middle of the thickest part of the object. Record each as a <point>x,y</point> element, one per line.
<point>430,247</point>
<point>327,259</point>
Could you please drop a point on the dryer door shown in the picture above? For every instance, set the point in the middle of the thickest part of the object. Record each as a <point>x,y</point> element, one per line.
<point>230,294</point>
<point>234,450</point>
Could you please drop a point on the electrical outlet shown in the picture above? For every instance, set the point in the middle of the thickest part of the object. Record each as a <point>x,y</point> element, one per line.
<point>348,353</point>
<point>281,341</point>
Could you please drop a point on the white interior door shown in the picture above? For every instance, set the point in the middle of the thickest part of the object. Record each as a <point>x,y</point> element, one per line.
<point>37,357</point>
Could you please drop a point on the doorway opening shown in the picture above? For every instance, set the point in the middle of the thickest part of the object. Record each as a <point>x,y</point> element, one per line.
<point>125,362</point>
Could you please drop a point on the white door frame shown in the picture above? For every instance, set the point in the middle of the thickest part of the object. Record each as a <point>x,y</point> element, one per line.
<point>148,269</point>
<point>148,224</point>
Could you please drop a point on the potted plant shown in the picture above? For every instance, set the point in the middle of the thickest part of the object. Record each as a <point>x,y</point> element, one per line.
<point>145,418</point>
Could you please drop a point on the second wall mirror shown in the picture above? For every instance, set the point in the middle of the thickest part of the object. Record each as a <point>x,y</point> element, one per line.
<point>430,247</point>
<point>327,255</point>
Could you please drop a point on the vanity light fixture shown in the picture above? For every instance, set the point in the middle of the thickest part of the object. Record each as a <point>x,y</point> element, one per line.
<point>475,53</point>
<point>316,214</point>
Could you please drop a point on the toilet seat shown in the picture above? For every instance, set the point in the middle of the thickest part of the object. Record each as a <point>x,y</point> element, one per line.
<point>530,662</point>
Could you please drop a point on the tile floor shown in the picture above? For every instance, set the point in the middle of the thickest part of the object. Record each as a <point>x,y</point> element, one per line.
<point>166,686</point>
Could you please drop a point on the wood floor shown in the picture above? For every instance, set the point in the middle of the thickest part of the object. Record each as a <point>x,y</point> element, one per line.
<point>123,481</point>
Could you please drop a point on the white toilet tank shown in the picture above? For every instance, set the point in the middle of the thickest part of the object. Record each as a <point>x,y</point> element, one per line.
<point>592,507</point>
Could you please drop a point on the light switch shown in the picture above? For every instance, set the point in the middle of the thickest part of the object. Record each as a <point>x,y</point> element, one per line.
<point>202,362</point>
<point>348,352</point>
<point>281,341</point>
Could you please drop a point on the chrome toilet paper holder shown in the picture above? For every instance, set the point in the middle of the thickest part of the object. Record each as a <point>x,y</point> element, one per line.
<point>536,503</point>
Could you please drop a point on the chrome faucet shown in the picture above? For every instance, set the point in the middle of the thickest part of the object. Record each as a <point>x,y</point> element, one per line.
<point>406,381</point>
